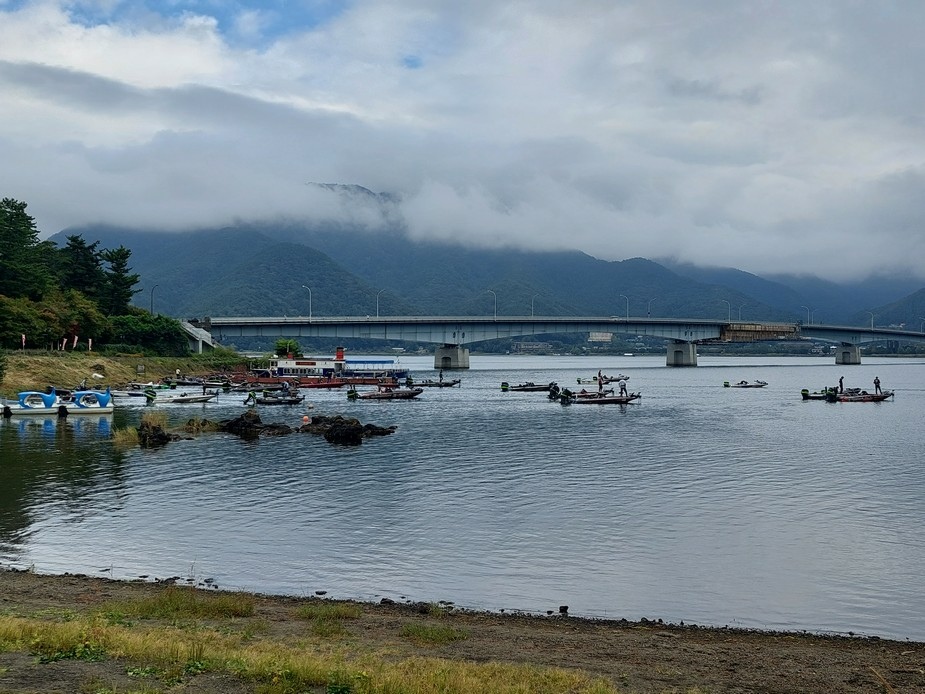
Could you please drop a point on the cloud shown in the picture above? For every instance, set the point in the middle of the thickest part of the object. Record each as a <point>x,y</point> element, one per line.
<point>771,137</point>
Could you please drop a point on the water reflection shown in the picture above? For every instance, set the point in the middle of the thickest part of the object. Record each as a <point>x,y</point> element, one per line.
<point>47,461</point>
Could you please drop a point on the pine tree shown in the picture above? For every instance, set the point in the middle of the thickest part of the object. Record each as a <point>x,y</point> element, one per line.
<point>81,267</point>
<point>23,269</point>
<point>118,289</point>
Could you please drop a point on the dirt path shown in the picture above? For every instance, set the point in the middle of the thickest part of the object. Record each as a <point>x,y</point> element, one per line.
<point>636,657</point>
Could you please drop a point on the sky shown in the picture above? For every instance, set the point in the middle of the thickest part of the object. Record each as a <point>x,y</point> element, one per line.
<point>771,136</point>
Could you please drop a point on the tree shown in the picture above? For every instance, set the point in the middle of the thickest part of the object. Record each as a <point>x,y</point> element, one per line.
<point>159,334</point>
<point>288,346</point>
<point>23,269</point>
<point>81,267</point>
<point>118,289</point>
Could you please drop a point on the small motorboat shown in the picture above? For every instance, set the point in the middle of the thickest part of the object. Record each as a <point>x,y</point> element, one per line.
<point>861,396</point>
<point>745,384</point>
<point>604,379</point>
<point>385,393</point>
<point>566,397</point>
<point>273,398</point>
<point>430,383</point>
<point>153,398</point>
<point>528,387</point>
<point>817,394</point>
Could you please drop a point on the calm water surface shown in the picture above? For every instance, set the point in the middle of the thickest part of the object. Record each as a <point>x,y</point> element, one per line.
<point>712,505</point>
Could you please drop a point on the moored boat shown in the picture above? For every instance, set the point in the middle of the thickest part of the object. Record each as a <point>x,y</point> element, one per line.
<point>745,384</point>
<point>153,398</point>
<point>31,402</point>
<point>817,394</point>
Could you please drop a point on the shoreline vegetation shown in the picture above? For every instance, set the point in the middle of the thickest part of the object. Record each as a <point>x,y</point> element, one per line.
<point>31,371</point>
<point>74,633</point>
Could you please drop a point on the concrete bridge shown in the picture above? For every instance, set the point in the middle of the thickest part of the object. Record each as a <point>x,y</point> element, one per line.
<point>454,333</point>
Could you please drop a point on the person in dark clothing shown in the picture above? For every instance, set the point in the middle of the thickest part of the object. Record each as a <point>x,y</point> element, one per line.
<point>877,385</point>
<point>841,384</point>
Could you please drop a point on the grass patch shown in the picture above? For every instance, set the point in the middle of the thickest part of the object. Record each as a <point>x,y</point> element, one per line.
<point>329,610</point>
<point>126,437</point>
<point>278,667</point>
<point>433,634</point>
<point>156,418</point>
<point>178,602</point>
<point>197,425</point>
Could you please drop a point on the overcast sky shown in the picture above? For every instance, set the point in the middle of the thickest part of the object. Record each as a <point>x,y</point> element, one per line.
<point>769,136</point>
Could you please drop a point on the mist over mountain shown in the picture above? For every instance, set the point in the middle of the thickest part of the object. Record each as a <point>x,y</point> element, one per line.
<point>283,268</point>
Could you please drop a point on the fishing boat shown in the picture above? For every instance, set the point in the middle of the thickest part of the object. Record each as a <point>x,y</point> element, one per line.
<point>817,394</point>
<point>569,398</point>
<point>273,398</point>
<point>430,383</point>
<point>528,387</point>
<point>153,398</point>
<point>32,402</point>
<point>385,393</point>
<point>745,384</point>
<point>861,396</point>
<point>604,379</point>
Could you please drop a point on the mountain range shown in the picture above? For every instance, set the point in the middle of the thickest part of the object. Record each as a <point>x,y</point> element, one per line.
<point>290,269</point>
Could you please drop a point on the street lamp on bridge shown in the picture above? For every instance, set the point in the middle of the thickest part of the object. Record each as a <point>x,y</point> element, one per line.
<point>809,318</point>
<point>152,298</point>
<point>871,319</point>
<point>377,301</point>
<point>649,307</point>
<point>728,309</point>
<point>922,318</point>
<point>532,299</point>
<point>496,302</point>
<point>624,296</point>
<point>309,302</point>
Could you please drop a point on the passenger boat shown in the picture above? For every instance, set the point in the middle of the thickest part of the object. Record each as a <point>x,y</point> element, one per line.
<point>745,384</point>
<point>32,402</point>
<point>528,387</point>
<point>385,393</point>
<point>324,372</point>
<point>862,396</point>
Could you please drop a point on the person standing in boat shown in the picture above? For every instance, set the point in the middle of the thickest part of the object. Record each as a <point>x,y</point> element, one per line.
<point>877,385</point>
<point>841,384</point>
<point>623,387</point>
<point>600,382</point>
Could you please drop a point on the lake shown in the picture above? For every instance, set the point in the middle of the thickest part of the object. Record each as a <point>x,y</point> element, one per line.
<point>698,503</point>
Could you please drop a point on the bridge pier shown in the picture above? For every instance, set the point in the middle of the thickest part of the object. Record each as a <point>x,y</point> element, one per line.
<point>681,354</point>
<point>849,355</point>
<point>451,357</point>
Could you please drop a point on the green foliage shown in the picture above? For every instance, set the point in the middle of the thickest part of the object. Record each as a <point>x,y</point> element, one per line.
<point>80,267</point>
<point>287,346</point>
<point>23,261</point>
<point>160,334</point>
<point>434,634</point>
<point>118,289</point>
<point>2,364</point>
<point>178,602</point>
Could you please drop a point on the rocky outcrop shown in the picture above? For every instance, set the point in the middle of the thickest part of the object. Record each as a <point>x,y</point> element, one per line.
<point>152,435</point>
<point>344,431</point>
